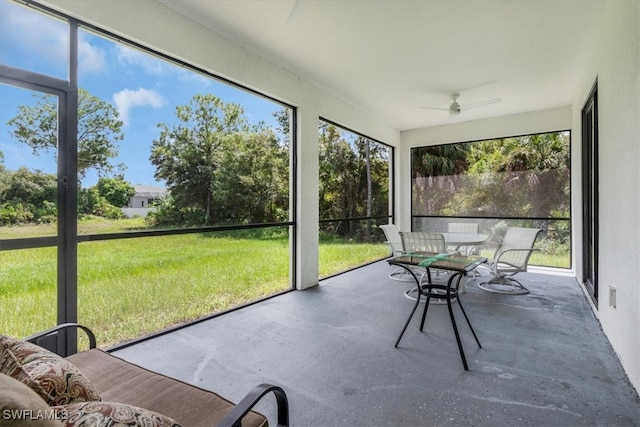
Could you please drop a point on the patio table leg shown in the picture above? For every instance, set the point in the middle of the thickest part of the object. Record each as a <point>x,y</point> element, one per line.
<point>424,313</point>
<point>469,323</point>
<point>453,320</point>
<point>415,306</point>
<point>449,292</point>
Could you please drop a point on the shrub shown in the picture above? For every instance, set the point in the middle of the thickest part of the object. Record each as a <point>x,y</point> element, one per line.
<point>15,213</point>
<point>90,202</point>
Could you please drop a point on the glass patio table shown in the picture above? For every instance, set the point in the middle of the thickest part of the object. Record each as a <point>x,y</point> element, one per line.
<point>464,239</point>
<point>459,266</point>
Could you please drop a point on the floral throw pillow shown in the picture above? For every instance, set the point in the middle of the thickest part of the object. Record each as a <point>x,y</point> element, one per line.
<point>110,414</point>
<point>22,407</point>
<point>54,378</point>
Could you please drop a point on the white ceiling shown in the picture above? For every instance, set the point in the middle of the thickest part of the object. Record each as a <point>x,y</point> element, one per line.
<point>391,57</point>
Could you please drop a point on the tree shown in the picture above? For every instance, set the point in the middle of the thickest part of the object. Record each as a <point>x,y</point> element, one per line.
<point>32,187</point>
<point>448,159</point>
<point>218,168</point>
<point>5,175</point>
<point>99,130</point>
<point>91,202</point>
<point>338,175</point>
<point>373,169</point>
<point>116,191</point>
<point>436,175</point>
<point>27,196</point>
<point>353,179</point>
<point>283,117</point>
<point>251,183</point>
<point>525,176</point>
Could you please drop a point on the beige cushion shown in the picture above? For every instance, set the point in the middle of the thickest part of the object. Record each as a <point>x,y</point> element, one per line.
<point>121,381</point>
<point>56,380</point>
<point>111,414</point>
<point>22,407</point>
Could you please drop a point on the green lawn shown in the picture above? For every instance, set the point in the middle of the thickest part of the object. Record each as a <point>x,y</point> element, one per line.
<point>337,255</point>
<point>131,287</point>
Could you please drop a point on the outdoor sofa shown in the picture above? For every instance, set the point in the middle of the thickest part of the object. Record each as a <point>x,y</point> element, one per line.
<point>96,388</point>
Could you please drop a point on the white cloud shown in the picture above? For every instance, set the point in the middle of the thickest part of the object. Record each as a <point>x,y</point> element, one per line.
<point>191,77</point>
<point>151,65</point>
<point>127,99</point>
<point>90,58</point>
<point>34,33</point>
<point>128,56</point>
<point>45,40</point>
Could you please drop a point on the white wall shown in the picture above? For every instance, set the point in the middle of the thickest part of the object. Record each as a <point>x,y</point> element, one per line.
<point>556,119</point>
<point>615,62</point>
<point>160,28</point>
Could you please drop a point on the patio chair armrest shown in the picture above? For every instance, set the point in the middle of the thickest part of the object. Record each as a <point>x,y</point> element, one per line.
<point>402,252</point>
<point>234,417</point>
<point>497,259</point>
<point>489,245</point>
<point>35,338</point>
<point>517,250</point>
<point>391,247</point>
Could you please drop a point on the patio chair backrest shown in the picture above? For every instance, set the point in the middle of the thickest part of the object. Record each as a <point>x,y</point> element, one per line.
<point>415,241</point>
<point>393,238</point>
<point>462,227</point>
<point>517,238</point>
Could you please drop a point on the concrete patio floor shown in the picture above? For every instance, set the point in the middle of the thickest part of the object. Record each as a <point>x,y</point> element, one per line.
<point>544,359</point>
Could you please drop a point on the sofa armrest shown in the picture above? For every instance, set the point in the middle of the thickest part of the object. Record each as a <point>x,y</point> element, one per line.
<point>234,417</point>
<point>35,338</point>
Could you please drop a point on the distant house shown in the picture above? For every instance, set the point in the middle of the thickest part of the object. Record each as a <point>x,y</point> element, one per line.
<point>144,199</point>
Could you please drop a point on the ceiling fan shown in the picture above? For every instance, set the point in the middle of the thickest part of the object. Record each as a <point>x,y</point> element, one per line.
<point>455,108</point>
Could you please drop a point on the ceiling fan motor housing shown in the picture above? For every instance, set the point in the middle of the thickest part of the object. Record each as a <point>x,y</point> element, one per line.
<point>455,108</point>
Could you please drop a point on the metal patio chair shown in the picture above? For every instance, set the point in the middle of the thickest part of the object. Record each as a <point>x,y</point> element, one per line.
<point>394,241</point>
<point>509,259</point>
<point>464,227</point>
<point>422,241</point>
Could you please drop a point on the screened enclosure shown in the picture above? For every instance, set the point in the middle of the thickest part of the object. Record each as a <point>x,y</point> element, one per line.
<point>519,181</point>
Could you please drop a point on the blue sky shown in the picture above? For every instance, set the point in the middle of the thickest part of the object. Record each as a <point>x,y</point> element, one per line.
<point>145,90</point>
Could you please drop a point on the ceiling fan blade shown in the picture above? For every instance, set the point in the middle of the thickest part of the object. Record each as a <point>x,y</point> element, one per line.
<point>434,108</point>
<point>480,104</point>
<point>292,11</point>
